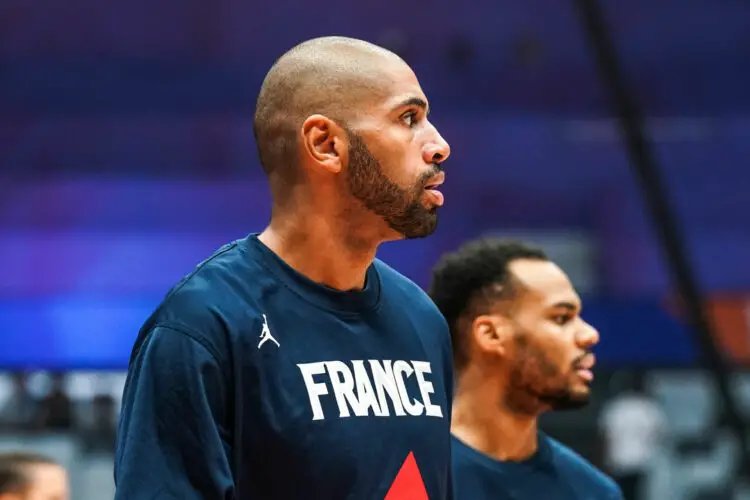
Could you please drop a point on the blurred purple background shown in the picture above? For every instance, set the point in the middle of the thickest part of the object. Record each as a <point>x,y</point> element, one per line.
<point>127,156</point>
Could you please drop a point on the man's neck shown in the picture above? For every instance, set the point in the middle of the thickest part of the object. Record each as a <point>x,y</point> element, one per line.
<point>482,421</point>
<point>320,250</point>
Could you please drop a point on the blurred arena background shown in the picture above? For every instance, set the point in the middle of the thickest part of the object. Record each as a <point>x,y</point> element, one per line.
<point>127,156</point>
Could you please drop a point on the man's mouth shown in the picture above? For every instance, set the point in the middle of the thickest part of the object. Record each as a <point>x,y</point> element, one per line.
<point>432,188</point>
<point>584,367</point>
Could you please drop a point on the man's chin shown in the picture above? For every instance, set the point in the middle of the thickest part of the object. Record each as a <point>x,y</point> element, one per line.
<point>423,232</point>
<point>418,227</point>
<point>567,401</point>
<point>571,404</point>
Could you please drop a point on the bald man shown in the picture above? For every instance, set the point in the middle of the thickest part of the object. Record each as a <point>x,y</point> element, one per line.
<point>292,364</point>
<point>30,476</point>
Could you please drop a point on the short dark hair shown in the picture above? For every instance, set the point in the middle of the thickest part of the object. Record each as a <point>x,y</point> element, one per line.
<point>14,477</point>
<point>477,270</point>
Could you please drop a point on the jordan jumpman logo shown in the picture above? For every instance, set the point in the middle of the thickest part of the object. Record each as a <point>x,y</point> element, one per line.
<point>266,334</point>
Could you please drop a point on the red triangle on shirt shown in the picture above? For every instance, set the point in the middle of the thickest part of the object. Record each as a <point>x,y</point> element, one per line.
<point>408,484</point>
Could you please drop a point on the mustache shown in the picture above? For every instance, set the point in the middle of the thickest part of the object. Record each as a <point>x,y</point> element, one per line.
<point>577,362</point>
<point>432,172</point>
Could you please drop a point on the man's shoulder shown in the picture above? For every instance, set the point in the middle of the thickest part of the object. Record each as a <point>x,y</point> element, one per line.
<point>225,278</point>
<point>218,294</point>
<point>582,468</point>
<point>393,281</point>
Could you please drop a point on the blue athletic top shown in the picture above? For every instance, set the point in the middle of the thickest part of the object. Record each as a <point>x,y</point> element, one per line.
<point>554,472</point>
<point>250,381</point>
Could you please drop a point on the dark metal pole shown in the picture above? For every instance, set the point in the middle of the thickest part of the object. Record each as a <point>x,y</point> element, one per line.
<point>656,199</point>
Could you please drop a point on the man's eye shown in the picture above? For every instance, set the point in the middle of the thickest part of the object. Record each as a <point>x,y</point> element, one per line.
<point>410,118</point>
<point>562,319</point>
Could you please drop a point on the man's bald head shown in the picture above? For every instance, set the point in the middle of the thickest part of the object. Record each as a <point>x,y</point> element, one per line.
<point>331,76</point>
<point>24,474</point>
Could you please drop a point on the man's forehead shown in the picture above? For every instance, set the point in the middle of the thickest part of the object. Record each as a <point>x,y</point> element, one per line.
<point>545,282</point>
<point>46,471</point>
<point>398,84</point>
<point>49,480</point>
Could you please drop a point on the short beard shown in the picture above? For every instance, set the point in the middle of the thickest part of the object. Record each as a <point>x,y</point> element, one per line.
<point>531,386</point>
<point>400,208</point>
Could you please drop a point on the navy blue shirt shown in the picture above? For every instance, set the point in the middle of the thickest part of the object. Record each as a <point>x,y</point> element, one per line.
<point>250,381</point>
<point>554,472</point>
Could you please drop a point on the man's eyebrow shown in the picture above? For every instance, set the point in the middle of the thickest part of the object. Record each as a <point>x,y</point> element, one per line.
<point>570,306</point>
<point>415,101</point>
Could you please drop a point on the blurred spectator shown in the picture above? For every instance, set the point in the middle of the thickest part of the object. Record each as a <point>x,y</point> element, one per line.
<point>634,426</point>
<point>56,409</point>
<point>100,436</point>
<point>19,409</point>
<point>27,476</point>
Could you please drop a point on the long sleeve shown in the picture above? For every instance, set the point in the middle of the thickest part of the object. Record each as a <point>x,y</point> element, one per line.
<point>173,439</point>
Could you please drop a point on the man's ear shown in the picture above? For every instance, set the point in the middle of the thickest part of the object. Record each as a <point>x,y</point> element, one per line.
<point>491,333</point>
<point>324,144</point>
